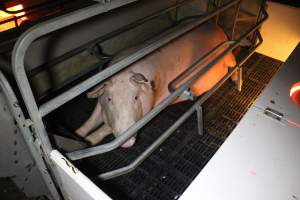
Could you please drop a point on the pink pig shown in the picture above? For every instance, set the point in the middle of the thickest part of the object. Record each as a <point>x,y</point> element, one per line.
<point>127,96</point>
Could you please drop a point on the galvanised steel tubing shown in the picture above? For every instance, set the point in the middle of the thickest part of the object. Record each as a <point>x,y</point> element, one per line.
<point>17,113</point>
<point>189,70</point>
<point>31,35</point>
<point>185,73</point>
<point>84,153</point>
<point>150,47</point>
<point>169,131</point>
<point>112,34</point>
<point>235,20</point>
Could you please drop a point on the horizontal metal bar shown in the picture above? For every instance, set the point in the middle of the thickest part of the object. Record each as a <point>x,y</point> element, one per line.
<point>150,115</point>
<point>149,150</point>
<point>22,45</point>
<point>109,36</point>
<point>169,131</point>
<point>189,70</point>
<point>150,47</point>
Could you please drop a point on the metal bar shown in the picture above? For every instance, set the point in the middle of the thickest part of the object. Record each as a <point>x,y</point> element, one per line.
<point>189,70</point>
<point>151,46</point>
<point>169,131</point>
<point>245,19</point>
<point>23,44</point>
<point>150,149</point>
<point>18,115</point>
<point>235,20</point>
<point>239,83</point>
<point>261,12</point>
<point>112,34</point>
<point>199,112</point>
<point>150,115</point>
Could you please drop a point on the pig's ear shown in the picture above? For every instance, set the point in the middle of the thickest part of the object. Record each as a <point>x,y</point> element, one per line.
<point>139,78</point>
<point>96,92</point>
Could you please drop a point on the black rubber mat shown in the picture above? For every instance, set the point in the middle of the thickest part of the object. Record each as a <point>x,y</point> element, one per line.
<point>171,168</point>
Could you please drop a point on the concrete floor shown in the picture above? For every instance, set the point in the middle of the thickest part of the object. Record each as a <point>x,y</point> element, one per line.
<point>281,32</point>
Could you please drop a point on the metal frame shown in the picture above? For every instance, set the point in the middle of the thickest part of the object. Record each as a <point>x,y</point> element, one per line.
<point>110,35</point>
<point>37,113</point>
<point>23,126</point>
<point>196,107</point>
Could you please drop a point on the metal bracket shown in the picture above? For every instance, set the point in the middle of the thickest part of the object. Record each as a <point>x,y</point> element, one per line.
<point>273,114</point>
<point>187,95</point>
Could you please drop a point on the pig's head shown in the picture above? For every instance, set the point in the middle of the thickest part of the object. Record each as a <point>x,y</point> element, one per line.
<point>124,100</point>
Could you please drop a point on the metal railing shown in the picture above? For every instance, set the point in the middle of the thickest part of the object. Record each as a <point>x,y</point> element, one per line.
<point>23,126</point>
<point>36,113</point>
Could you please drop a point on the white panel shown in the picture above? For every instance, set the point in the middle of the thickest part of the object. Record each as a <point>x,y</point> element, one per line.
<point>260,160</point>
<point>278,89</point>
<point>75,185</point>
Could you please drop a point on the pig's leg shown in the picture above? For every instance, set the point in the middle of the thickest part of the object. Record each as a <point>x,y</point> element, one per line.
<point>99,134</point>
<point>94,121</point>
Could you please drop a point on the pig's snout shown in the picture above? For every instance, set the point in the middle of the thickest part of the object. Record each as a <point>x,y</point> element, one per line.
<point>129,143</point>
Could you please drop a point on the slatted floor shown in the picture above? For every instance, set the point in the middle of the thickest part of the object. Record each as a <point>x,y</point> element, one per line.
<point>171,168</point>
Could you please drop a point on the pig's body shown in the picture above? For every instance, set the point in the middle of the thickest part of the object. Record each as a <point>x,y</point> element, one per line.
<point>165,64</point>
<point>157,68</point>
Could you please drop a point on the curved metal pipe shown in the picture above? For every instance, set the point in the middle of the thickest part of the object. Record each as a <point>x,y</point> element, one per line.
<point>17,113</point>
<point>23,43</point>
<point>169,131</point>
<point>150,115</point>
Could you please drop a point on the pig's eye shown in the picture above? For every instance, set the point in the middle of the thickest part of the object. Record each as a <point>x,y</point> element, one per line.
<point>135,98</point>
<point>108,99</point>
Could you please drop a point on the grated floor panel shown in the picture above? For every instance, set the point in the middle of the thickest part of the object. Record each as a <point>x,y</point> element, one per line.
<point>171,168</point>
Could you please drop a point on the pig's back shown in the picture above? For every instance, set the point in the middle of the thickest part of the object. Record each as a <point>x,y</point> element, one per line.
<point>166,63</point>
<point>172,59</point>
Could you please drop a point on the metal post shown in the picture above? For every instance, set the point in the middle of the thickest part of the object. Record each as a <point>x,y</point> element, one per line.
<point>235,20</point>
<point>199,112</point>
<point>23,126</point>
<point>239,83</point>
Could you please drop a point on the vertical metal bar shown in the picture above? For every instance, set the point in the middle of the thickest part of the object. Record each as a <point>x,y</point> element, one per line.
<point>16,21</point>
<point>235,20</point>
<point>17,113</point>
<point>261,11</point>
<point>240,79</point>
<point>218,5</point>
<point>199,112</point>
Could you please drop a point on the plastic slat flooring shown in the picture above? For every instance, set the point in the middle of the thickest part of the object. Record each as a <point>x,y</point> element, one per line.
<point>171,168</point>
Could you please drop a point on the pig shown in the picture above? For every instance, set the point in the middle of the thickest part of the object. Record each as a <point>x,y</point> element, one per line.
<point>127,96</point>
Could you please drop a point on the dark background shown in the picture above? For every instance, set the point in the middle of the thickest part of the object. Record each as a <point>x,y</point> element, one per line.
<point>295,3</point>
